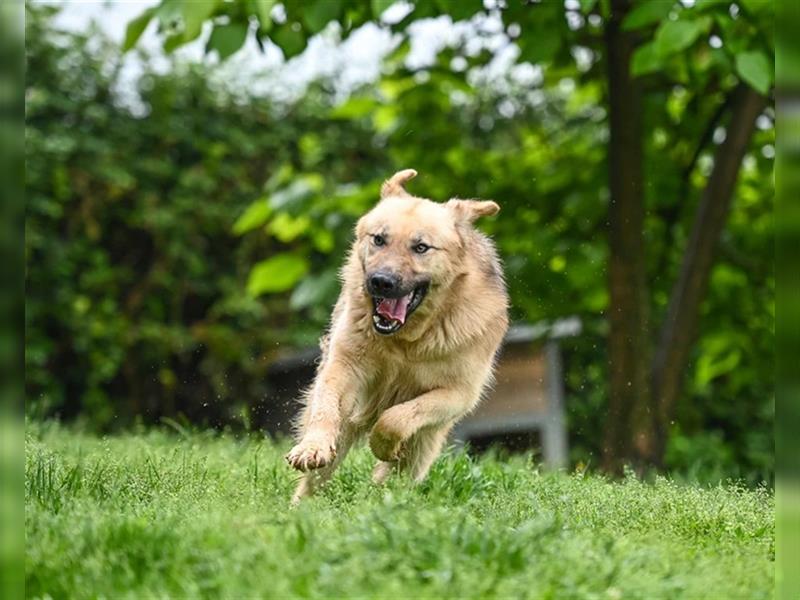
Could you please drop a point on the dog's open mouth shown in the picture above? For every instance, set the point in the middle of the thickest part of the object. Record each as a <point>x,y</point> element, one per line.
<point>390,314</point>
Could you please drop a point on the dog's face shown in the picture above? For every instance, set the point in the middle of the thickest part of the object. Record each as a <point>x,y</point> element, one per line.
<point>411,249</point>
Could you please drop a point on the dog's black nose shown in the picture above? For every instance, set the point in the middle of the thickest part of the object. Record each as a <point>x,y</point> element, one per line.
<point>383,284</point>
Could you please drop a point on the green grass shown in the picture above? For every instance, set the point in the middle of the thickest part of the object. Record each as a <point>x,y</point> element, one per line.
<point>159,515</point>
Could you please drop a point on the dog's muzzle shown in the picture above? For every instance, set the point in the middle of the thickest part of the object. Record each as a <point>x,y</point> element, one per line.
<point>393,302</point>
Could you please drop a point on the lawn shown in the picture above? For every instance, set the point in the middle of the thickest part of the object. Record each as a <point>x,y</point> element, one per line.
<point>158,514</point>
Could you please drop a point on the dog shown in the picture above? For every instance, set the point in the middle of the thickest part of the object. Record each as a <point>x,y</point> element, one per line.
<point>413,337</point>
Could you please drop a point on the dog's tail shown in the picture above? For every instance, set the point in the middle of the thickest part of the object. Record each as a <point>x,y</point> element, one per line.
<point>394,185</point>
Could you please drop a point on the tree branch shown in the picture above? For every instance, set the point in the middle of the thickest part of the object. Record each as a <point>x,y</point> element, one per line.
<point>705,138</point>
<point>679,328</point>
<point>671,214</point>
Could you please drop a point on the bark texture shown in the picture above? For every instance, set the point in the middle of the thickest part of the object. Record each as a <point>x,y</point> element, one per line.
<point>628,339</point>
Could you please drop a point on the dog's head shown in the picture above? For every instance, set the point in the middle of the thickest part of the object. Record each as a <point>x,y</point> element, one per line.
<point>411,250</point>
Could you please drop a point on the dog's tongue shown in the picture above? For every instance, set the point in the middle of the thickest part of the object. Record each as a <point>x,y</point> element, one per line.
<point>394,308</point>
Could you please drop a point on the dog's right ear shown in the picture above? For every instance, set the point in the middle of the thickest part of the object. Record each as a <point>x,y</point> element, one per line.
<point>394,185</point>
<point>471,210</point>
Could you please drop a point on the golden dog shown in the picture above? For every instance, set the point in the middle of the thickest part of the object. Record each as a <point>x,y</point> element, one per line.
<point>412,341</point>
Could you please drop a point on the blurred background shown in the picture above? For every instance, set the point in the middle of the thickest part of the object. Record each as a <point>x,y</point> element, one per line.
<point>194,171</point>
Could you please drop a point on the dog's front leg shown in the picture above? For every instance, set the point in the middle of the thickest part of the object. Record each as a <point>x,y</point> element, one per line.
<point>321,420</point>
<point>435,410</point>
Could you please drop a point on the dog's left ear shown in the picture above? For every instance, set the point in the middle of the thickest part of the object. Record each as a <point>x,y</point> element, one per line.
<point>394,185</point>
<point>471,210</point>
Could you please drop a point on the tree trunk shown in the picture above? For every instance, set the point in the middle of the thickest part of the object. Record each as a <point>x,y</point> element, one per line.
<point>679,328</point>
<point>629,391</point>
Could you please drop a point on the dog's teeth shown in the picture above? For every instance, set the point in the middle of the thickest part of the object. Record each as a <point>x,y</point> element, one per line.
<point>376,319</point>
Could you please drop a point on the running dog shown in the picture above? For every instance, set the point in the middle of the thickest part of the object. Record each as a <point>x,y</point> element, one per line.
<point>412,341</point>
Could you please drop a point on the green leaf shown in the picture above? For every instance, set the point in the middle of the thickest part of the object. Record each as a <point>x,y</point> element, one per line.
<point>712,4</point>
<point>355,107</point>
<point>172,42</point>
<point>323,240</point>
<point>264,12</point>
<point>254,216</point>
<point>191,13</point>
<point>647,13</point>
<point>379,6</point>
<point>280,177</point>
<point>314,290</point>
<point>674,36</point>
<point>287,228</point>
<point>136,28</point>
<point>587,5</point>
<point>459,10</point>
<point>276,274</point>
<point>195,13</point>
<point>293,196</point>
<point>318,14</point>
<point>755,69</point>
<point>385,118</point>
<point>645,60</point>
<point>170,16</point>
<point>539,45</point>
<point>759,7</point>
<point>709,367</point>
<point>290,39</point>
<point>227,39</point>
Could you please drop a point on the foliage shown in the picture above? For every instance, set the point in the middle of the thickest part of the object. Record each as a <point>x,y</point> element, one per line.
<point>674,42</point>
<point>144,237</point>
<point>135,275</point>
<point>200,515</point>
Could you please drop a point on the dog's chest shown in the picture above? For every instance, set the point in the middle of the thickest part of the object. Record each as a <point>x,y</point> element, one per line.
<point>393,382</point>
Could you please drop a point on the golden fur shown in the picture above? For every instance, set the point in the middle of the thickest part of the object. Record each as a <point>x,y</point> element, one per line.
<point>405,390</point>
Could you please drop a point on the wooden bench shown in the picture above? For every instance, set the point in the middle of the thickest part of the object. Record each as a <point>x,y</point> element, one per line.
<point>528,395</point>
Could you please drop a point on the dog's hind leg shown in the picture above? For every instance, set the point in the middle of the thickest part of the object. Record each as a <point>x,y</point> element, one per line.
<point>423,448</point>
<point>418,455</point>
<point>382,471</point>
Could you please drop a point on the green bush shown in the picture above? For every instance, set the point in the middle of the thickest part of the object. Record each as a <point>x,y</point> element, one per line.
<point>136,303</point>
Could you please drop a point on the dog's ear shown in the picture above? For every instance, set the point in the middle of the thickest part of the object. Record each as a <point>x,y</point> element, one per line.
<point>394,185</point>
<point>471,210</point>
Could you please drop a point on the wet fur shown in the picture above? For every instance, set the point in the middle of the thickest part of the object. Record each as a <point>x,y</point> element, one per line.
<point>405,391</point>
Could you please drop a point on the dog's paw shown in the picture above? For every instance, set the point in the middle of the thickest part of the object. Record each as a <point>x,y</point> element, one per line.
<point>385,447</point>
<point>311,454</point>
<point>386,440</point>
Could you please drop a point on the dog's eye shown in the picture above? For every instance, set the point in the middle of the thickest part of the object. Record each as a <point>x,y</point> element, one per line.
<point>421,248</point>
<point>378,240</point>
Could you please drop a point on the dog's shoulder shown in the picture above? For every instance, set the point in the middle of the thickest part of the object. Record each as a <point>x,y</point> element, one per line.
<point>482,251</point>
